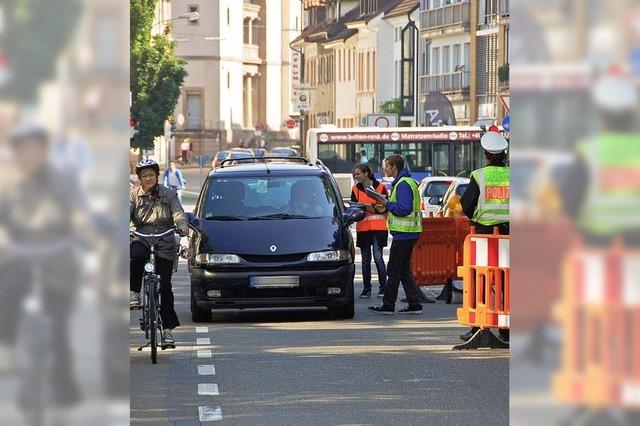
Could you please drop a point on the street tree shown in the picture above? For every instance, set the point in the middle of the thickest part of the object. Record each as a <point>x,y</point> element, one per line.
<point>156,74</point>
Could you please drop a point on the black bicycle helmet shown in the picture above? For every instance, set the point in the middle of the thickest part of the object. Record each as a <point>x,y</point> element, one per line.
<point>147,164</point>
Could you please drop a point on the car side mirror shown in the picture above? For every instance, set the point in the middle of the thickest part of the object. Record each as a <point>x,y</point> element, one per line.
<point>195,222</point>
<point>352,215</point>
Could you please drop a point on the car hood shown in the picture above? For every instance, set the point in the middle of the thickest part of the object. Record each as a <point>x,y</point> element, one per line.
<point>256,237</point>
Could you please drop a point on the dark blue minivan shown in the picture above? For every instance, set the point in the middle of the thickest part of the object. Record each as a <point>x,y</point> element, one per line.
<point>271,232</point>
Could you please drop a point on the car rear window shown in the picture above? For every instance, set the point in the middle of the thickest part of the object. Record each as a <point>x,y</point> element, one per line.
<point>436,189</point>
<point>256,197</point>
<point>461,189</point>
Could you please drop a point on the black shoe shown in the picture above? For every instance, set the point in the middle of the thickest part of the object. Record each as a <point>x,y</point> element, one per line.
<point>469,334</point>
<point>381,293</point>
<point>366,293</point>
<point>381,309</point>
<point>411,310</point>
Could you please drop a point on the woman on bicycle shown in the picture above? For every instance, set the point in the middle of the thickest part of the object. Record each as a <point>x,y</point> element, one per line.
<point>155,208</point>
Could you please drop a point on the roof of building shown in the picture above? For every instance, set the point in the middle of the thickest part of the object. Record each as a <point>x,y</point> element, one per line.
<point>337,29</point>
<point>403,8</point>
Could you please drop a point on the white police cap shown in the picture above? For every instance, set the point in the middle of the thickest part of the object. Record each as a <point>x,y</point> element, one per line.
<point>493,142</point>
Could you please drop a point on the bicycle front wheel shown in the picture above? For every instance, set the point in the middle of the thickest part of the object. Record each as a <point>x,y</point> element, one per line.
<point>153,322</point>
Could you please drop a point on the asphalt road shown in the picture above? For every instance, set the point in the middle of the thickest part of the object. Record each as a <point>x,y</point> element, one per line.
<point>299,367</point>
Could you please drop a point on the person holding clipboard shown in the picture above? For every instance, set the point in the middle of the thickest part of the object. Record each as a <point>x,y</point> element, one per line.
<point>404,221</point>
<point>372,231</point>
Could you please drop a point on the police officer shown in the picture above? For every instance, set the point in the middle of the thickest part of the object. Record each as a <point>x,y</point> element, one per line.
<point>486,200</point>
<point>602,189</point>
<point>405,224</point>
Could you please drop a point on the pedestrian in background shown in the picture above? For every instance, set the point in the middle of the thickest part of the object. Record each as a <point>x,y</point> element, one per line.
<point>363,157</point>
<point>404,221</point>
<point>486,200</point>
<point>185,147</point>
<point>174,179</point>
<point>372,231</point>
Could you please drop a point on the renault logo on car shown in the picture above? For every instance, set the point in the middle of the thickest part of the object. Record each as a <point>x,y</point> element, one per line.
<point>273,249</point>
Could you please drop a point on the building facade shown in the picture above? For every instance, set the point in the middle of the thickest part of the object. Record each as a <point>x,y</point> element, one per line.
<point>235,47</point>
<point>464,45</point>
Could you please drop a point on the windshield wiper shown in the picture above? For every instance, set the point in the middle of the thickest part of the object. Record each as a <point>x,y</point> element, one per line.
<point>225,217</point>
<point>281,216</point>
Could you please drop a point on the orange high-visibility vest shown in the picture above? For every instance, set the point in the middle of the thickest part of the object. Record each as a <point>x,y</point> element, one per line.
<point>372,221</point>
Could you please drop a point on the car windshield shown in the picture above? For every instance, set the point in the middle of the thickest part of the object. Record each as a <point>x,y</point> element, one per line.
<point>221,155</point>
<point>436,189</point>
<point>280,197</point>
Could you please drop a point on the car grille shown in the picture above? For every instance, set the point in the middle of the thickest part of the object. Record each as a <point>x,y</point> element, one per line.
<point>276,258</point>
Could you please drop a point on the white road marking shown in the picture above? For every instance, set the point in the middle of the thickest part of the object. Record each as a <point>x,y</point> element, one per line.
<point>207,389</point>
<point>204,353</point>
<point>210,414</point>
<point>206,370</point>
<point>203,341</point>
<point>202,329</point>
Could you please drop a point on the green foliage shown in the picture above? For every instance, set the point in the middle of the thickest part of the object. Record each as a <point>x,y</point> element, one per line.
<point>156,75</point>
<point>394,106</point>
<point>35,33</point>
<point>391,107</point>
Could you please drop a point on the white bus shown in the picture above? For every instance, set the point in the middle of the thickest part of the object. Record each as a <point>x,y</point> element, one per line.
<point>428,151</point>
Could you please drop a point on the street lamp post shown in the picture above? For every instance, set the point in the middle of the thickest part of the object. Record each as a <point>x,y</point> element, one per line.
<point>191,16</point>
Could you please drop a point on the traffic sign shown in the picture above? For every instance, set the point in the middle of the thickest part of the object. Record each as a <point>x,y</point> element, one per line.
<point>504,99</point>
<point>506,123</point>
<point>291,123</point>
<point>382,120</point>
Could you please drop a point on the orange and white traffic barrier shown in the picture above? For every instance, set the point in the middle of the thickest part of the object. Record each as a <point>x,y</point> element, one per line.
<point>485,299</point>
<point>438,252</point>
<point>599,313</point>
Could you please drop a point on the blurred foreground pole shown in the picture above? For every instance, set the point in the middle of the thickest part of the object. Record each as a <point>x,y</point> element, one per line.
<point>64,69</point>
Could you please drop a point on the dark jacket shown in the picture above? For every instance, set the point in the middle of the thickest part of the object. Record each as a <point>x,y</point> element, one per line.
<point>156,213</point>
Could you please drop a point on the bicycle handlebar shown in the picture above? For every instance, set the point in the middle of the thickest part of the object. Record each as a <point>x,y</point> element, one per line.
<point>140,234</point>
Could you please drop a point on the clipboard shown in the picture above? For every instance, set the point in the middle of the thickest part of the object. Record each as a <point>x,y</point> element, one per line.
<point>375,195</point>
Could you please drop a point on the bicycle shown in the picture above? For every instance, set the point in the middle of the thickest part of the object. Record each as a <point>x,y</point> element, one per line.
<point>151,321</point>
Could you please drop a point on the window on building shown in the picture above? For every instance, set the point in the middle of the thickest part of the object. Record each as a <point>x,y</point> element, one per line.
<point>374,67</point>
<point>368,70</point>
<point>465,58</point>
<point>228,16</point>
<point>192,8</point>
<point>446,59</point>
<point>228,80</point>
<point>435,60</point>
<point>456,60</point>
<point>425,57</point>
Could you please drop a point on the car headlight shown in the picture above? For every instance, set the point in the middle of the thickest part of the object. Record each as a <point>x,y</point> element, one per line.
<point>329,256</point>
<point>217,259</point>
